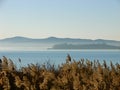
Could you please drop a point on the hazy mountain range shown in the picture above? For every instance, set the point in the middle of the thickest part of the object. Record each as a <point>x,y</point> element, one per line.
<point>50,42</point>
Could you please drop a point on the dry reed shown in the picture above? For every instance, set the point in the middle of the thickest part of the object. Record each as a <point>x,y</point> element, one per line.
<point>72,75</point>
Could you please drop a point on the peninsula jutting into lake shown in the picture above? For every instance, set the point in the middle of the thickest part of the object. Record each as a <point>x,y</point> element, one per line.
<point>85,46</point>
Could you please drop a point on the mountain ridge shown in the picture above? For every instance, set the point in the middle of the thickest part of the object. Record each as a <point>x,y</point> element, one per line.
<point>56,40</point>
<point>24,43</point>
<point>21,37</point>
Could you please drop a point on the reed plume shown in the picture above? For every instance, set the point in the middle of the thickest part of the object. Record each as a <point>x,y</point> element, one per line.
<point>72,75</point>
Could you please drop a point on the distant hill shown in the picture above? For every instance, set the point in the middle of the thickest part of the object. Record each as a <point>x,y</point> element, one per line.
<point>20,39</point>
<point>16,39</point>
<point>49,42</point>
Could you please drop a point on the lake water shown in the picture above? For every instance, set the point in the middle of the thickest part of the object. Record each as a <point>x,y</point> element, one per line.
<point>59,56</point>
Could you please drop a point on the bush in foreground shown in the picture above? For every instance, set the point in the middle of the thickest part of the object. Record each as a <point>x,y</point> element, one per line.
<point>72,75</point>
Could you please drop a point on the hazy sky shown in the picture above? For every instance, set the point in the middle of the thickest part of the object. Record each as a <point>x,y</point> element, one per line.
<point>91,19</point>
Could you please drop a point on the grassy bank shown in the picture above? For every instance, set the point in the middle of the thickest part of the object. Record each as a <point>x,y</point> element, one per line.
<point>72,75</point>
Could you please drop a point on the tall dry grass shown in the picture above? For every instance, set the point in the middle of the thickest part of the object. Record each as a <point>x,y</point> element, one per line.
<point>72,75</point>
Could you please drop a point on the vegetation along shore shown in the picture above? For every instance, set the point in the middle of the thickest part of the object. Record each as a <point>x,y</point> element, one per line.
<point>72,75</point>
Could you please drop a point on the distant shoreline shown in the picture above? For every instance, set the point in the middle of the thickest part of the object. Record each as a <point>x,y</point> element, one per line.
<point>85,46</point>
<point>49,49</point>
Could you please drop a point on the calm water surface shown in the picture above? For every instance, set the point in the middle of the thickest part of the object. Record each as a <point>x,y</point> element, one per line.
<point>58,57</point>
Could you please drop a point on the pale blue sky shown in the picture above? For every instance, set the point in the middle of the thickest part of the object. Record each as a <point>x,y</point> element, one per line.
<point>88,19</point>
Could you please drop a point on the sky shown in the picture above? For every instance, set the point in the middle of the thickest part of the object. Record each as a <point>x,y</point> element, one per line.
<point>85,19</point>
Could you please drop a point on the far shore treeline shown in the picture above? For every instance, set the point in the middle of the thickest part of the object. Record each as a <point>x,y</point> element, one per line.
<point>84,46</point>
